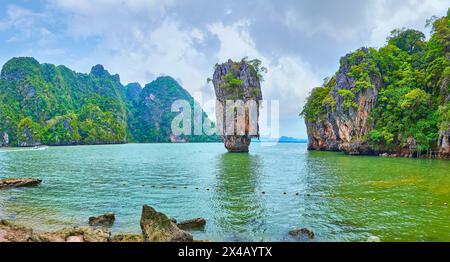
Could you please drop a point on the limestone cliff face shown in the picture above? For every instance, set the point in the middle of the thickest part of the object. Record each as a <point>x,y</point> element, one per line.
<point>389,101</point>
<point>342,114</point>
<point>237,81</point>
<point>4,139</point>
<point>444,143</point>
<point>444,135</point>
<point>344,127</point>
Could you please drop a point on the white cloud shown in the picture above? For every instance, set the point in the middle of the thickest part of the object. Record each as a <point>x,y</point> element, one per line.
<point>235,40</point>
<point>289,78</point>
<point>32,31</point>
<point>413,14</point>
<point>142,39</point>
<point>110,18</point>
<point>140,53</point>
<point>321,27</point>
<point>145,54</point>
<point>24,22</point>
<point>137,39</point>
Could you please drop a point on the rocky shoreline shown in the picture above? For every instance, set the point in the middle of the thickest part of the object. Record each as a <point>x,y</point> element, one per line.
<point>156,227</point>
<point>359,149</point>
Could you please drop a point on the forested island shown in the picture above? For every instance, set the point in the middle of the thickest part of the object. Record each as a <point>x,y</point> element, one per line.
<point>53,105</point>
<point>394,101</point>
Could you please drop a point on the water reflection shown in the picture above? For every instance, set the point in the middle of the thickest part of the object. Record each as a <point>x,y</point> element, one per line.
<point>328,198</point>
<point>339,197</point>
<point>239,208</point>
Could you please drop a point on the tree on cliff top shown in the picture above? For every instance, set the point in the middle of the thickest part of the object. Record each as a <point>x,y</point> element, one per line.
<point>414,95</point>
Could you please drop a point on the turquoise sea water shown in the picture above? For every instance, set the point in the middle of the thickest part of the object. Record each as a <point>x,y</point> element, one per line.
<point>244,197</point>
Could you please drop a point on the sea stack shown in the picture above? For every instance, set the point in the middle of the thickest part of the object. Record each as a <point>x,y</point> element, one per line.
<point>238,94</point>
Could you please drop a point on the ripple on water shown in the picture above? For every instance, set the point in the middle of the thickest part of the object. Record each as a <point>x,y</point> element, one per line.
<point>245,197</point>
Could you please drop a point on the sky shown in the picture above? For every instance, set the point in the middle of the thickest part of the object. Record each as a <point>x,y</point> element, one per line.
<point>299,41</point>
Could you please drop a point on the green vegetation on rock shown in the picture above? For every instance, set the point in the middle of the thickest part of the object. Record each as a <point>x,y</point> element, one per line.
<point>315,106</point>
<point>348,97</point>
<point>411,99</point>
<point>150,114</point>
<point>56,106</point>
<point>53,105</point>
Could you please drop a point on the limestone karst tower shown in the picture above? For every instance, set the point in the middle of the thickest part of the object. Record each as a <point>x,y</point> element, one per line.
<point>238,95</point>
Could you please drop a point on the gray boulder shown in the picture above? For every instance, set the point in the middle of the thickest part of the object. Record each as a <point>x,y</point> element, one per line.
<point>157,227</point>
<point>74,234</point>
<point>195,223</point>
<point>10,232</point>
<point>106,220</point>
<point>19,182</point>
<point>304,233</point>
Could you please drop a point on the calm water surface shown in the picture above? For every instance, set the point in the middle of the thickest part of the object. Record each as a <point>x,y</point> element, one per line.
<point>339,197</point>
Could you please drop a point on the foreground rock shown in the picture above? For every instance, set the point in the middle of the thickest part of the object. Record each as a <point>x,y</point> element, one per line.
<point>10,232</point>
<point>237,82</point>
<point>128,238</point>
<point>19,182</point>
<point>191,224</point>
<point>74,234</point>
<point>157,227</point>
<point>304,233</point>
<point>105,220</point>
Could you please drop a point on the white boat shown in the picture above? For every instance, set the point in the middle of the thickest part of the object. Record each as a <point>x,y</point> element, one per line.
<point>40,147</point>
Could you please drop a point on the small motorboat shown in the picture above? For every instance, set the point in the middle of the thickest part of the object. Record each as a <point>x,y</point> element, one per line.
<point>40,147</point>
